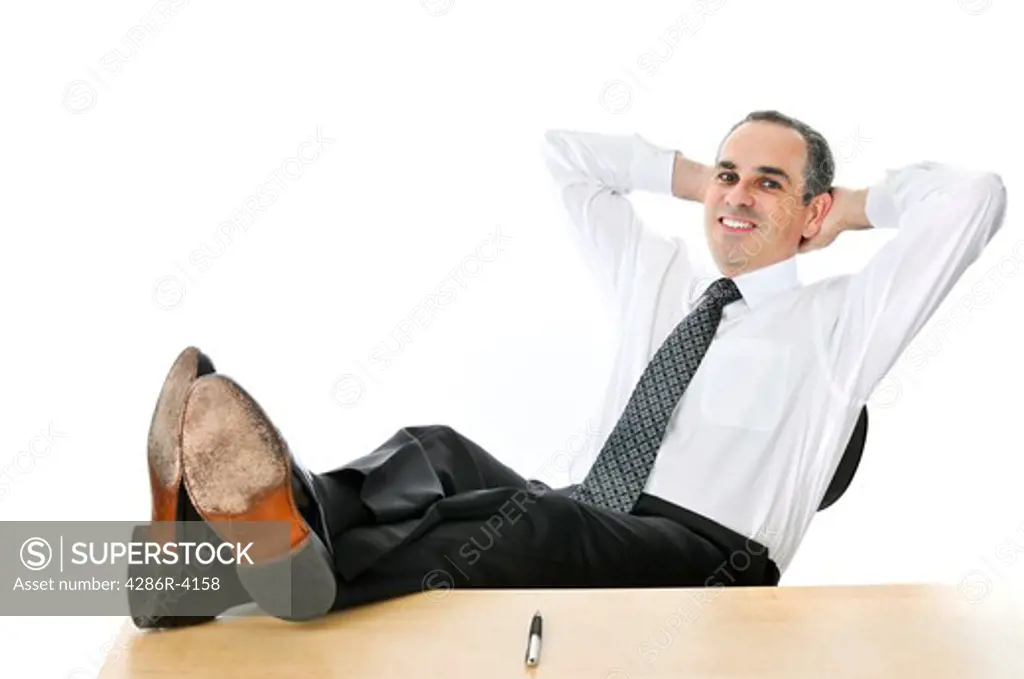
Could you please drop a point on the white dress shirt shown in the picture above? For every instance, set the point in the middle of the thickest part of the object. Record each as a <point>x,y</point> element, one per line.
<point>757,436</point>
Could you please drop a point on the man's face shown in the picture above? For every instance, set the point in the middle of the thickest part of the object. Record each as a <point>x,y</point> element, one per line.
<point>759,178</point>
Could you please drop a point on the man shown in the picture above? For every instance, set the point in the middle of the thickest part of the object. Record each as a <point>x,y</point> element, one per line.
<point>726,415</point>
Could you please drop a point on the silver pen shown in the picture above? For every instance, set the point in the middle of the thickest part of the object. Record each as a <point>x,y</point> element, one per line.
<point>533,645</point>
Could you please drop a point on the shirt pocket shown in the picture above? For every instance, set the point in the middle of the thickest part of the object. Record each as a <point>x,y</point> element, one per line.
<point>746,384</point>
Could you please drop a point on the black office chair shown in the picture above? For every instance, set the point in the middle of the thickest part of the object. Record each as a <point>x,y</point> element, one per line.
<point>848,465</point>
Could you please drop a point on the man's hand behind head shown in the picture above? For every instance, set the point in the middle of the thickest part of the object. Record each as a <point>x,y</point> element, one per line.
<point>845,213</point>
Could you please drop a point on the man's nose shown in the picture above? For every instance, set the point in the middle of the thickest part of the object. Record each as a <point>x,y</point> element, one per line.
<point>739,195</point>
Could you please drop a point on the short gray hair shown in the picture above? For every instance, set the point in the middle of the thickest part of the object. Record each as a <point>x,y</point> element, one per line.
<point>820,168</point>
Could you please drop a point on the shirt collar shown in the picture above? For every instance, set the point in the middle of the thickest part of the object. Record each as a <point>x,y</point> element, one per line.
<point>762,284</point>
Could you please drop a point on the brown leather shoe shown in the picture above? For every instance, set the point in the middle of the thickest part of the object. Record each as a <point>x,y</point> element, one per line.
<point>164,445</point>
<point>238,468</point>
<point>171,507</point>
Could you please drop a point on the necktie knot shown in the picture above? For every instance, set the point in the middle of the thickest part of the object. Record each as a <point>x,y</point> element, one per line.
<point>723,291</point>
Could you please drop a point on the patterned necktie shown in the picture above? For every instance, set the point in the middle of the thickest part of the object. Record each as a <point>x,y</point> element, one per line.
<point>620,471</point>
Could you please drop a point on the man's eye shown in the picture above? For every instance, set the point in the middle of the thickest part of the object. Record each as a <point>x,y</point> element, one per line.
<point>731,176</point>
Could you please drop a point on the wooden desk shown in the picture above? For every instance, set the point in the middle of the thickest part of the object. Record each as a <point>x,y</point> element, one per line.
<point>926,631</point>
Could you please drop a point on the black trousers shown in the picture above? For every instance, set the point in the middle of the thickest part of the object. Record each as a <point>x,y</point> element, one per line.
<point>430,510</point>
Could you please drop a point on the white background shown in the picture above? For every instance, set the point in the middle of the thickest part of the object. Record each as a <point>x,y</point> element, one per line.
<point>116,172</point>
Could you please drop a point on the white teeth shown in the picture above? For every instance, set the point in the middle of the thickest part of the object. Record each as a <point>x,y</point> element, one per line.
<point>733,224</point>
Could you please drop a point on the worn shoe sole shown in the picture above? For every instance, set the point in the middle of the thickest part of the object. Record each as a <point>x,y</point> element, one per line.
<point>163,451</point>
<point>164,444</point>
<point>237,468</point>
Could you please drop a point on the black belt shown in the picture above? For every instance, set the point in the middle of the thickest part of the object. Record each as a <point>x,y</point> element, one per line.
<point>746,561</point>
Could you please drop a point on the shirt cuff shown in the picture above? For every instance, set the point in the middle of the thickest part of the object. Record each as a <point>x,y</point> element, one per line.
<point>652,167</point>
<point>880,207</point>
<point>905,186</point>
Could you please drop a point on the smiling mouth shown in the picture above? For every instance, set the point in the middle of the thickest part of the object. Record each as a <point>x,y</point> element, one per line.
<point>732,224</point>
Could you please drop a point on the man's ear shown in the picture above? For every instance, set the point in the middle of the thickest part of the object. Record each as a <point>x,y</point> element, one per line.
<point>819,209</point>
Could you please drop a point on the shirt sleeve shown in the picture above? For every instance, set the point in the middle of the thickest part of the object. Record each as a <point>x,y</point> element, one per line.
<point>944,218</point>
<point>594,175</point>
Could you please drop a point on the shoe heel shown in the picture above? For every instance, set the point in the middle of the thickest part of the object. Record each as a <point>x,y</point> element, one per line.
<point>299,586</point>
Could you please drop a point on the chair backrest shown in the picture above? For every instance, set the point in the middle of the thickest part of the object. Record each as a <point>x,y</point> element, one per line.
<point>848,465</point>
